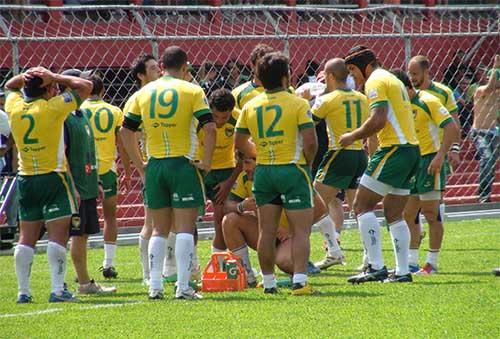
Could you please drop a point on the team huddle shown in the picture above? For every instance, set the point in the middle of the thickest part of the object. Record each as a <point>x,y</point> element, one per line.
<point>249,151</point>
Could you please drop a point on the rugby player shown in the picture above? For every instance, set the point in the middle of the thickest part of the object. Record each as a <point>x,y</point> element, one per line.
<point>37,127</point>
<point>220,180</point>
<point>167,108</point>
<point>341,168</point>
<point>430,118</point>
<point>145,69</point>
<point>391,168</point>
<point>105,120</point>
<point>282,129</point>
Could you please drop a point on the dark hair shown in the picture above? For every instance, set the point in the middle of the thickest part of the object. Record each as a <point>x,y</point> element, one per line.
<point>174,57</point>
<point>361,56</point>
<point>97,83</point>
<point>403,77</point>
<point>422,61</point>
<point>259,51</point>
<point>222,100</point>
<point>139,65</point>
<point>33,89</point>
<point>271,69</point>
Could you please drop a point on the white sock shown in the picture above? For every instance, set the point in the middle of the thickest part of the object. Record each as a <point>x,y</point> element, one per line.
<point>184,249</point>
<point>242,252</point>
<point>24,259</point>
<point>143,248</point>
<point>299,278</point>
<point>365,257</point>
<point>432,257</point>
<point>109,254</point>
<point>442,211</point>
<point>400,234</point>
<point>327,228</point>
<point>170,267</point>
<point>215,249</point>
<point>369,229</point>
<point>156,251</point>
<point>268,280</point>
<point>413,256</point>
<point>56,255</point>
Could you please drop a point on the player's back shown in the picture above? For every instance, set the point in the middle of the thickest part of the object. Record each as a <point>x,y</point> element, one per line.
<point>274,120</point>
<point>167,108</point>
<point>444,94</point>
<point>384,89</point>
<point>344,111</point>
<point>246,92</point>
<point>104,119</point>
<point>37,128</point>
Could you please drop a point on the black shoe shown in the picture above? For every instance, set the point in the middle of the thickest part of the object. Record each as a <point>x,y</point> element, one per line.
<point>272,290</point>
<point>496,271</point>
<point>369,275</point>
<point>108,273</point>
<point>406,278</point>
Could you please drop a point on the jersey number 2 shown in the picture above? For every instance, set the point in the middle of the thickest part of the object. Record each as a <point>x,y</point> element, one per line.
<point>27,139</point>
<point>270,132</point>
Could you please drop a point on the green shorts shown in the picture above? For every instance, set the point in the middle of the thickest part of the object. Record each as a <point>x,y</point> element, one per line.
<point>395,166</point>
<point>287,185</point>
<point>214,178</point>
<point>342,168</point>
<point>46,197</point>
<point>173,182</point>
<point>425,182</point>
<point>109,184</point>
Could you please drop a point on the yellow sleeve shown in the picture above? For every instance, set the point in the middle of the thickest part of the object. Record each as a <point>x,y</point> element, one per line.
<point>439,113</point>
<point>451,104</point>
<point>200,103</point>
<point>319,109</point>
<point>12,97</point>
<point>304,116</point>
<point>128,103</point>
<point>133,111</point>
<point>241,124</point>
<point>365,110</point>
<point>376,91</point>
<point>119,116</point>
<point>64,104</point>
<point>238,192</point>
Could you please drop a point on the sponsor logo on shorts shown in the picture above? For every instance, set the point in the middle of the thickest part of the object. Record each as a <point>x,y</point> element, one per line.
<point>107,190</point>
<point>295,201</point>
<point>190,198</point>
<point>175,196</point>
<point>53,209</point>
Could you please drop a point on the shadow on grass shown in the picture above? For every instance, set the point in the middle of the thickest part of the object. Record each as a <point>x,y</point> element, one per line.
<point>437,283</point>
<point>126,281</point>
<point>105,300</point>
<point>286,292</point>
<point>472,249</point>
<point>470,274</point>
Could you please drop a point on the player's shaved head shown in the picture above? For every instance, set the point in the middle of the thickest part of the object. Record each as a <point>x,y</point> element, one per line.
<point>337,68</point>
<point>174,58</point>
<point>421,61</point>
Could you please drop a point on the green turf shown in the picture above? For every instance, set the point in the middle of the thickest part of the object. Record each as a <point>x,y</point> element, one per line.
<point>461,301</point>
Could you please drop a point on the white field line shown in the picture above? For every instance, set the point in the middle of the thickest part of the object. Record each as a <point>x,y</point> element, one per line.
<point>54,310</point>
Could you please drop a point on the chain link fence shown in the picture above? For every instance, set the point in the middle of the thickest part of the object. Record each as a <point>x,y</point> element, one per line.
<point>460,42</point>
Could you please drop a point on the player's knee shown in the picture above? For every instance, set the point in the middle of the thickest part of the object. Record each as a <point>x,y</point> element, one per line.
<point>392,215</point>
<point>230,223</point>
<point>431,214</point>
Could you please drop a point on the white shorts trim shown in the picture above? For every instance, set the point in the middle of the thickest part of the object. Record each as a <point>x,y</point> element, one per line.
<point>381,188</point>
<point>429,196</point>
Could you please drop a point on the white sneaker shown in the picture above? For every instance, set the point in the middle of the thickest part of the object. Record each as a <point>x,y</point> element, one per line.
<point>330,261</point>
<point>155,295</point>
<point>187,294</point>
<point>94,288</point>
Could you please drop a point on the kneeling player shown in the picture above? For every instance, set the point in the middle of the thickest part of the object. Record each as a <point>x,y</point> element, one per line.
<point>430,116</point>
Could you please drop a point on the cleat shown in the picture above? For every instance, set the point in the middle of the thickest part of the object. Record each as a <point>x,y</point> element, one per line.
<point>414,268</point>
<point>108,272</point>
<point>146,282</point>
<point>496,272</point>
<point>156,295</point>
<point>271,290</point>
<point>252,284</point>
<point>300,289</point>
<point>170,278</point>
<point>24,299</point>
<point>406,278</point>
<point>94,288</point>
<point>330,261</point>
<point>363,267</point>
<point>428,269</point>
<point>65,296</point>
<point>188,294</point>
<point>311,269</point>
<point>369,275</point>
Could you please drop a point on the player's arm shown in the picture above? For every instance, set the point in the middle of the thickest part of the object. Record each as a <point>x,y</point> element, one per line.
<point>372,144</point>
<point>308,133</point>
<point>125,180</point>
<point>451,136</point>
<point>202,113</point>
<point>372,126</point>
<point>128,136</point>
<point>224,187</point>
<point>15,83</point>
<point>237,204</point>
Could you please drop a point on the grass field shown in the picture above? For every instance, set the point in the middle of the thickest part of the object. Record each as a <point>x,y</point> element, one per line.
<point>463,300</point>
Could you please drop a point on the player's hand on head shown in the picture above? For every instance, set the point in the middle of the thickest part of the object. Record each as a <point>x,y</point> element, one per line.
<point>46,75</point>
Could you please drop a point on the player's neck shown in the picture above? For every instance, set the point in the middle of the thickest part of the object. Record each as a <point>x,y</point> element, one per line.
<point>426,84</point>
<point>95,98</point>
<point>276,89</point>
<point>173,74</point>
<point>341,86</point>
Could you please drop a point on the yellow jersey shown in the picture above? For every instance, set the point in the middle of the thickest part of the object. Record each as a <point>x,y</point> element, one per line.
<point>37,127</point>
<point>430,117</point>
<point>167,108</point>
<point>223,156</point>
<point>274,120</point>
<point>344,111</point>
<point>242,189</point>
<point>383,89</point>
<point>444,94</point>
<point>104,119</point>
